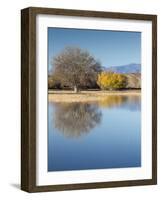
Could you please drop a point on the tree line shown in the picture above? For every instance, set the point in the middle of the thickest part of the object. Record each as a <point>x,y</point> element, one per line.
<point>77,69</point>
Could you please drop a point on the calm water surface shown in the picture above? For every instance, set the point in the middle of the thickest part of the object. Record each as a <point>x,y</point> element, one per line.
<point>106,134</point>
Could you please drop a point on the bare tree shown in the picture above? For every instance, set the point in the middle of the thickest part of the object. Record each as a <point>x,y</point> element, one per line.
<point>75,67</point>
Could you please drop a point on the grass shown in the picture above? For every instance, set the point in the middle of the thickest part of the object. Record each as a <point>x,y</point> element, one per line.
<point>84,96</point>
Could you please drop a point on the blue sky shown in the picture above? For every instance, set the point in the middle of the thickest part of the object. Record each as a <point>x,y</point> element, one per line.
<point>111,48</point>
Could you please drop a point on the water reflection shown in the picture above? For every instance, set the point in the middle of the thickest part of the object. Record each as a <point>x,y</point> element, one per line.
<point>132,103</point>
<point>76,119</point>
<point>113,140</point>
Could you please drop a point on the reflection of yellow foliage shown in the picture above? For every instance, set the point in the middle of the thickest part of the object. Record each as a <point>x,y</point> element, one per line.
<point>109,80</point>
<point>116,101</point>
<point>112,101</point>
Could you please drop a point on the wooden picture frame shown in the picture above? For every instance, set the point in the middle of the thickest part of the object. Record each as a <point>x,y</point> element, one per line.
<point>28,98</point>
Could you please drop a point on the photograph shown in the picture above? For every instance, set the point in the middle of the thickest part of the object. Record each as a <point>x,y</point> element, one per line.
<point>89,99</point>
<point>94,99</point>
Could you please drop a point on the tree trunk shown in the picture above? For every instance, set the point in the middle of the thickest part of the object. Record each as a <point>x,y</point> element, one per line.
<point>75,89</point>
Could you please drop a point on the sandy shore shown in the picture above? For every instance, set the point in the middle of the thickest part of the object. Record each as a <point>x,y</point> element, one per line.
<point>84,96</point>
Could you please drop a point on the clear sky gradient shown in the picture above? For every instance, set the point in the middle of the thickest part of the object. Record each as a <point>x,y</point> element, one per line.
<point>111,48</point>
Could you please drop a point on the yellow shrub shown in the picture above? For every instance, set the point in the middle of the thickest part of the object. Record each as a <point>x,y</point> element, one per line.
<point>110,81</point>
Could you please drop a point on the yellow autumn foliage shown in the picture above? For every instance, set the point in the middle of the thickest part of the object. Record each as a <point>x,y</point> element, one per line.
<point>111,81</point>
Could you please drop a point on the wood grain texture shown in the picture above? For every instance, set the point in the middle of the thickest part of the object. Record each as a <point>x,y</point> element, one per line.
<point>28,98</point>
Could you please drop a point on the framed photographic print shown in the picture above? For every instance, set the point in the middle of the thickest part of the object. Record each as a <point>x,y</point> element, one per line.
<point>88,99</point>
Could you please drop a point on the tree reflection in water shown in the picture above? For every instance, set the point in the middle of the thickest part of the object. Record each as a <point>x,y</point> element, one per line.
<point>76,119</point>
<point>128,102</point>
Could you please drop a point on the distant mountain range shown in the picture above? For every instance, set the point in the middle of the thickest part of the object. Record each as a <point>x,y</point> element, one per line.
<point>124,69</point>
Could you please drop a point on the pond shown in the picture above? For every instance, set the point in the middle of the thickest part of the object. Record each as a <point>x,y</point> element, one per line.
<point>95,135</point>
